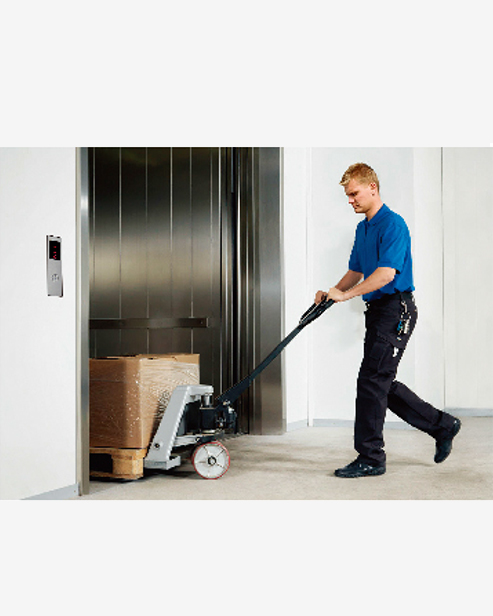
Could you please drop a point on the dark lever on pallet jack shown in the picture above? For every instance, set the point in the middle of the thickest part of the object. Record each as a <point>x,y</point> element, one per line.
<point>233,393</point>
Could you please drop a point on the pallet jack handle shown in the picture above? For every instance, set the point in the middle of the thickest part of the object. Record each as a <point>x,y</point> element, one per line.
<point>233,393</point>
<point>314,312</point>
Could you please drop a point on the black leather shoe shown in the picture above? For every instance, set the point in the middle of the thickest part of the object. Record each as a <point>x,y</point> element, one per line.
<point>359,469</point>
<point>444,445</point>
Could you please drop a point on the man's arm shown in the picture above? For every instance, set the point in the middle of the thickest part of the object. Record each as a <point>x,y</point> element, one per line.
<point>348,281</point>
<point>380,277</point>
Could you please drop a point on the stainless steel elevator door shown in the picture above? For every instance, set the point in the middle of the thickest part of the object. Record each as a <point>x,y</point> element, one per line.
<point>155,254</point>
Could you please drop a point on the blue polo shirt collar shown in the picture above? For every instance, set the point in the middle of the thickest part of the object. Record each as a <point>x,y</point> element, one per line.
<point>378,216</point>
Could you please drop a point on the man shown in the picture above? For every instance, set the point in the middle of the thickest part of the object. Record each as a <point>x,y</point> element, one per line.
<point>380,270</point>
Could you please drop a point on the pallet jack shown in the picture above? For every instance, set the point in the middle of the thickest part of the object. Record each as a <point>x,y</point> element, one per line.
<point>192,420</point>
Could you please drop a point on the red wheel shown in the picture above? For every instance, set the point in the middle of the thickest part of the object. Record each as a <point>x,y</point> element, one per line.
<point>211,460</point>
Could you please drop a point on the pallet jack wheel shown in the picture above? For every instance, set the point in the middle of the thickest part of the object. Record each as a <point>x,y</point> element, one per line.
<point>211,460</point>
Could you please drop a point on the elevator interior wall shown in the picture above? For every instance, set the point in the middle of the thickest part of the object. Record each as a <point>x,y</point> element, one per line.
<point>155,267</point>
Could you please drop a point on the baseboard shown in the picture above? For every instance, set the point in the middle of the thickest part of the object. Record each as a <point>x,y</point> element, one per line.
<point>60,494</point>
<point>470,412</point>
<point>349,423</point>
<point>333,423</point>
<point>297,425</point>
<point>394,425</point>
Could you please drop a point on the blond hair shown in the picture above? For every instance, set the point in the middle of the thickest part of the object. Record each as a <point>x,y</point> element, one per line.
<point>362,173</point>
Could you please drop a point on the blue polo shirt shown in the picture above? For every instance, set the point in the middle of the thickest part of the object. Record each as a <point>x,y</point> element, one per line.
<point>384,241</point>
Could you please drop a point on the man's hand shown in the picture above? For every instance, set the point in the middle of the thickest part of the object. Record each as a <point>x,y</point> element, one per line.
<point>337,295</point>
<point>348,281</point>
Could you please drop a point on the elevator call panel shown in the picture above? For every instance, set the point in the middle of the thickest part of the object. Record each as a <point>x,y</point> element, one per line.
<point>54,265</point>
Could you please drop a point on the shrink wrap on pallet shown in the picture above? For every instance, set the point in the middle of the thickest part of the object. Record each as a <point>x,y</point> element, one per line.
<point>129,395</point>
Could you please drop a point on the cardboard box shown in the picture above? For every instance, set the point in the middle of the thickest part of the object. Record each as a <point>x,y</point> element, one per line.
<point>128,396</point>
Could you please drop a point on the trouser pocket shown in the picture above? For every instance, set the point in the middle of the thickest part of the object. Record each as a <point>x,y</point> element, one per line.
<point>383,354</point>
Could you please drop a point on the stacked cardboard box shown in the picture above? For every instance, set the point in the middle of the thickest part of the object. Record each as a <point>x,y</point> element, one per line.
<point>128,396</point>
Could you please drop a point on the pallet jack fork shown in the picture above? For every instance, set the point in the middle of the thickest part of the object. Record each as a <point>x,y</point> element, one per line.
<point>192,421</point>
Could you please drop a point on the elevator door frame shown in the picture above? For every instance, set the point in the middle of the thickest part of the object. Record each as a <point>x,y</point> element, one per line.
<point>252,305</point>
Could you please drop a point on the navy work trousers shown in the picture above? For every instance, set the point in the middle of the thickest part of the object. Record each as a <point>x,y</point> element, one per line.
<point>377,388</point>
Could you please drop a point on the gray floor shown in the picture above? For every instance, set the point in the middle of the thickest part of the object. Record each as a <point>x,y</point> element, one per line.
<point>299,465</point>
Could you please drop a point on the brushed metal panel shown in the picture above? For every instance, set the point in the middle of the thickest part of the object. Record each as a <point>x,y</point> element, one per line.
<point>105,225</point>
<point>133,342</point>
<point>133,249</point>
<point>181,341</point>
<point>216,318</point>
<point>181,244</point>
<point>181,231</point>
<point>107,343</point>
<point>89,185</point>
<point>83,342</point>
<point>92,344</point>
<point>204,257</point>
<point>160,341</point>
<point>88,179</point>
<point>159,244</point>
<point>260,286</point>
<point>202,234</point>
<point>247,333</point>
<point>226,270</point>
<point>133,246</point>
<point>269,306</point>
<point>105,245</point>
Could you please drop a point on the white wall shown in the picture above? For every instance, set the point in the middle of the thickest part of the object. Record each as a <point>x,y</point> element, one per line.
<point>331,348</point>
<point>468,223</point>
<point>37,332</point>
<point>427,245</point>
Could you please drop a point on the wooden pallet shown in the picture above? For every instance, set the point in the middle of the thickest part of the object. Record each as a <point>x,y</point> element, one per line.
<point>117,463</point>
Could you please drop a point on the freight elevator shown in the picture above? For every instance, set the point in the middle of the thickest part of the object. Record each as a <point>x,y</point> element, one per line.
<point>185,257</point>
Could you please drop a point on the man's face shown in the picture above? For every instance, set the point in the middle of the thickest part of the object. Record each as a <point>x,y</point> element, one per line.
<point>361,196</point>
